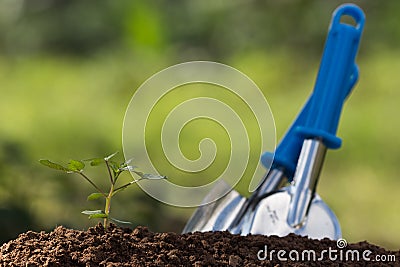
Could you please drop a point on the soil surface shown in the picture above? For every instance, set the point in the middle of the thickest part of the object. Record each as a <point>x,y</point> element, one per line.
<point>141,247</point>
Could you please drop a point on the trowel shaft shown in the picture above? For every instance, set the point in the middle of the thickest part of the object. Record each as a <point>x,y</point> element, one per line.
<point>305,180</point>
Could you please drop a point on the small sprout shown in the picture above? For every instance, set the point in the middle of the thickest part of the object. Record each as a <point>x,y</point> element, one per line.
<point>114,170</point>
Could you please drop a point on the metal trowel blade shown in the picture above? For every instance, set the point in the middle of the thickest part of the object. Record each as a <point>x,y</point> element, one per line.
<point>271,218</point>
<point>217,215</point>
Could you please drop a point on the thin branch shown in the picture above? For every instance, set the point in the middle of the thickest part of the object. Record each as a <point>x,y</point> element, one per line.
<point>116,176</point>
<point>93,184</point>
<point>109,171</point>
<point>128,184</point>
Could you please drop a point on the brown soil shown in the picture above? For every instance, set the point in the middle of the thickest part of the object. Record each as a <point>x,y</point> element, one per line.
<point>140,247</point>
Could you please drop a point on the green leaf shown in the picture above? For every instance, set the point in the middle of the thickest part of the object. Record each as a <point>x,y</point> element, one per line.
<point>125,164</point>
<point>95,161</point>
<point>139,173</point>
<point>128,168</point>
<point>91,212</point>
<point>110,156</point>
<point>153,176</point>
<point>99,215</point>
<point>119,221</point>
<point>94,196</point>
<point>95,214</point>
<point>114,166</point>
<point>53,165</point>
<point>76,165</point>
<point>150,176</point>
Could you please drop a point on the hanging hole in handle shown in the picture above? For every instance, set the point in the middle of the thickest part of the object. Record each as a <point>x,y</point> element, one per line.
<point>349,20</point>
<point>349,14</point>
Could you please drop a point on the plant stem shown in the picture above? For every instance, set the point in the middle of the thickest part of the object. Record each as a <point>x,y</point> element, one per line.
<point>107,207</point>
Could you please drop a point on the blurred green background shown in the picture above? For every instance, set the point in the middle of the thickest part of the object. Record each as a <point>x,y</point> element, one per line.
<point>68,69</point>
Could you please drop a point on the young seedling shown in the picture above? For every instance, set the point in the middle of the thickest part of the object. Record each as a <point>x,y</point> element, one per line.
<point>114,171</point>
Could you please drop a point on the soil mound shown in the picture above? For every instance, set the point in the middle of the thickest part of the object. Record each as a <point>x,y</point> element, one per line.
<point>141,247</point>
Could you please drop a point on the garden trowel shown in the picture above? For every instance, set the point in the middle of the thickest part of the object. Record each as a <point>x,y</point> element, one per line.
<point>297,208</point>
<point>231,212</point>
<point>236,213</point>
<point>227,213</point>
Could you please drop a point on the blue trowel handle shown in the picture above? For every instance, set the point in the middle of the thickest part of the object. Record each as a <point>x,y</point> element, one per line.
<point>287,153</point>
<point>337,63</point>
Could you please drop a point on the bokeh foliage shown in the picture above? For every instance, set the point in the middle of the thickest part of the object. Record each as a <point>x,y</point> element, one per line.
<point>69,68</point>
